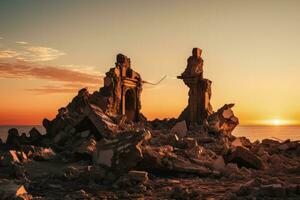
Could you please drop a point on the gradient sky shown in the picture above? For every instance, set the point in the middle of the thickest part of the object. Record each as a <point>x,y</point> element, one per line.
<point>51,49</point>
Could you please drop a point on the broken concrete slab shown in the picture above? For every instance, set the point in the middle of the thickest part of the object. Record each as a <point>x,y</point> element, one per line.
<point>103,125</point>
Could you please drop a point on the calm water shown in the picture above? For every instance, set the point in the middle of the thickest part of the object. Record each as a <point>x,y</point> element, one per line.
<point>251,132</point>
<point>262,132</point>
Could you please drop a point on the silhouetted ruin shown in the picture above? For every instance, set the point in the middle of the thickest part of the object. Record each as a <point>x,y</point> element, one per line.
<point>123,87</point>
<point>199,107</point>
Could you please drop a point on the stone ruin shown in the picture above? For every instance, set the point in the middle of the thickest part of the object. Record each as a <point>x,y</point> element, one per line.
<point>122,88</point>
<point>101,145</point>
<point>199,107</point>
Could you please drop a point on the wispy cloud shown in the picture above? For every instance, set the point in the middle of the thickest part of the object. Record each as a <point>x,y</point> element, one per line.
<point>21,42</point>
<point>37,53</point>
<point>8,54</point>
<point>31,53</point>
<point>22,69</point>
<point>66,80</point>
<point>90,69</point>
<point>64,88</point>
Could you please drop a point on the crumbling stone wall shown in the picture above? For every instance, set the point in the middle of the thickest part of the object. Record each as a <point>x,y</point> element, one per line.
<point>122,90</point>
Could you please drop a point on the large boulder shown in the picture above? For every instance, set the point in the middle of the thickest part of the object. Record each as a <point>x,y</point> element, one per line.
<point>223,120</point>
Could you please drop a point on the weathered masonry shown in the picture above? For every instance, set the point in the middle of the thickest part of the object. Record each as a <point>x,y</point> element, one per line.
<point>123,86</point>
<point>199,107</point>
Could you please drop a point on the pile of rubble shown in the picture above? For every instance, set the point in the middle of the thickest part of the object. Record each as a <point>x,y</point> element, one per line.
<point>101,147</point>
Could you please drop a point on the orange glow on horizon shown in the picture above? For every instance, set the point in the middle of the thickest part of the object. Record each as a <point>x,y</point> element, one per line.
<point>277,122</point>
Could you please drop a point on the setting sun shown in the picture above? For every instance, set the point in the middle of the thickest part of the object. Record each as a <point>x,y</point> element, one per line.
<point>277,122</point>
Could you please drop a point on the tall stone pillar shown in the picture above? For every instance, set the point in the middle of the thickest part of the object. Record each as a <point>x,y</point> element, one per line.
<point>199,107</point>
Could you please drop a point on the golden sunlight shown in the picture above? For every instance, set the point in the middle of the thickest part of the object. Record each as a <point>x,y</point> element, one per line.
<point>276,122</point>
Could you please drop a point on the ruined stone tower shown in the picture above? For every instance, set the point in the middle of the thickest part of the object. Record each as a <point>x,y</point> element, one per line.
<point>199,107</point>
<point>123,88</point>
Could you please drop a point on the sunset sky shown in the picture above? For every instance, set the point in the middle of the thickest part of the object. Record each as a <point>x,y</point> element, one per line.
<point>51,49</point>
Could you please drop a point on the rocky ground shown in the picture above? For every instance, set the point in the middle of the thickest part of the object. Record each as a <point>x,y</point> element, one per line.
<point>87,154</point>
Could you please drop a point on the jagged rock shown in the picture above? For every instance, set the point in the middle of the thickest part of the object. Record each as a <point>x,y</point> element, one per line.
<point>123,152</point>
<point>243,157</point>
<point>86,148</point>
<point>13,137</point>
<point>180,129</point>
<point>160,159</point>
<point>287,145</point>
<point>241,141</point>
<point>10,190</point>
<point>223,120</point>
<point>34,135</point>
<point>270,142</point>
<point>158,124</point>
<point>99,124</point>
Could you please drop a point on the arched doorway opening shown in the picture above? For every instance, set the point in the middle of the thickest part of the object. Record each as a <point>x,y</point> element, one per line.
<point>130,104</point>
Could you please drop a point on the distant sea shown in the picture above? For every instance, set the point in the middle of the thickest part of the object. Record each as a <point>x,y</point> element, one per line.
<point>251,132</point>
